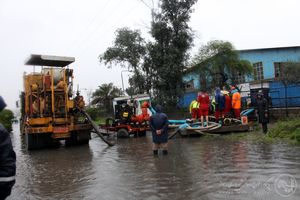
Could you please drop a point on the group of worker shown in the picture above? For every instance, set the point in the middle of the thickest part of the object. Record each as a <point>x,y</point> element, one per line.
<point>222,104</point>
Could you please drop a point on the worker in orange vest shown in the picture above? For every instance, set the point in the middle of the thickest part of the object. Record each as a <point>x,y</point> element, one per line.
<point>236,101</point>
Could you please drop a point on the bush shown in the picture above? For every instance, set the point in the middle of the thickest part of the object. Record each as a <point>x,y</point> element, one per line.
<point>6,117</point>
<point>93,112</point>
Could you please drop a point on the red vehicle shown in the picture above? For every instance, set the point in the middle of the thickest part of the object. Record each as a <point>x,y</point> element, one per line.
<point>131,116</point>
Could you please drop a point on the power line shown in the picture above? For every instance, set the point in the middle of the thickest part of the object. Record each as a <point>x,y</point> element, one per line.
<point>87,26</point>
<point>117,21</point>
<point>82,39</point>
<point>98,26</point>
<point>146,4</point>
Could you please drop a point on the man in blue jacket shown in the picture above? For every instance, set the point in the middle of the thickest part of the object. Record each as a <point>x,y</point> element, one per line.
<point>220,104</point>
<point>7,160</point>
<point>159,127</point>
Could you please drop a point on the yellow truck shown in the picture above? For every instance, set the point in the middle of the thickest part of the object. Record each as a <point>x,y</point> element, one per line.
<point>50,112</point>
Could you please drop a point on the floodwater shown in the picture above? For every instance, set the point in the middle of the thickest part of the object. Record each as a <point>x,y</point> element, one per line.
<point>196,168</point>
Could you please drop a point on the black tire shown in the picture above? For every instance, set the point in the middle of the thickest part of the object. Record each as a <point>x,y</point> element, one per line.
<point>78,138</point>
<point>142,133</point>
<point>39,141</point>
<point>122,133</point>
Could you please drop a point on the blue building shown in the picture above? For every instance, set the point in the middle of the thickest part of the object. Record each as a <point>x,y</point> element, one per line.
<point>267,64</point>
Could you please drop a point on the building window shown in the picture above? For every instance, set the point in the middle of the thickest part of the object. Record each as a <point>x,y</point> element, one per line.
<point>239,78</point>
<point>278,68</point>
<point>258,71</point>
<point>189,85</point>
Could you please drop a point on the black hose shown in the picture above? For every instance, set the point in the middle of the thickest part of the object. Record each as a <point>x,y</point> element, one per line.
<point>175,133</point>
<point>97,131</point>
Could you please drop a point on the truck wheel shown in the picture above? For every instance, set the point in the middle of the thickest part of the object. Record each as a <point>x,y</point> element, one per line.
<point>39,141</point>
<point>122,133</point>
<point>78,138</point>
<point>31,141</point>
<point>142,133</point>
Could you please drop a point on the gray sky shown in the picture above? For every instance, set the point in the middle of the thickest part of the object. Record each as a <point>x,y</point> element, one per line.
<point>84,29</point>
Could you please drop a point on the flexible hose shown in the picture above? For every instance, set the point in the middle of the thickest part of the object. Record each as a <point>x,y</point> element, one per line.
<point>97,131</point>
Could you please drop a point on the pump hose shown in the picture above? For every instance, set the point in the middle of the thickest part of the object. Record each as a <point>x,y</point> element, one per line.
<point>177,130</point>
<point>97,131</point>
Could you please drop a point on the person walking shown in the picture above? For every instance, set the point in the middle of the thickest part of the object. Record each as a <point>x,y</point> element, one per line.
<point>203,99</point>
<point>262,110</point>
<point>7,160</point>
<point>220,104</point>
<point>159,127</point>
<point>236,102</point>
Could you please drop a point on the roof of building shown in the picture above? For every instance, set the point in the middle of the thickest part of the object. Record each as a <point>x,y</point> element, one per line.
<point>270,48</point>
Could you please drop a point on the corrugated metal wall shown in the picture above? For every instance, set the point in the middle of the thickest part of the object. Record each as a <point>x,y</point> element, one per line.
<point>187,99</point>
<point>277,94</point>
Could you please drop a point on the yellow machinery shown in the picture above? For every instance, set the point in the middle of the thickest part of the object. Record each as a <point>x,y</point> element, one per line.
<point>49,111</point>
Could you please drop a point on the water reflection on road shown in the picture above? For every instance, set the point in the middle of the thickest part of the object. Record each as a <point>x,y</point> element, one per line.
<point>196,168</point>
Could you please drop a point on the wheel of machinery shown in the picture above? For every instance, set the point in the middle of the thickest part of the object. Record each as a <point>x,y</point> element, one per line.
<point>78,138</point>
<point>142,133</point>
<point>39,141</point>
<point>122,133</point>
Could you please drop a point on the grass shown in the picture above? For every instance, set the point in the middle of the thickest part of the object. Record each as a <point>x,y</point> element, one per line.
<point>284,130</point>
<point>100,120</point>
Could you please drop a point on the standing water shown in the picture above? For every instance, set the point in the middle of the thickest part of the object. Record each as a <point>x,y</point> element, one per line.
<point>196,168</point>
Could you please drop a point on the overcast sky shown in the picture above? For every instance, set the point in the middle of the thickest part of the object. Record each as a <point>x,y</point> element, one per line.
<point>84,29</point>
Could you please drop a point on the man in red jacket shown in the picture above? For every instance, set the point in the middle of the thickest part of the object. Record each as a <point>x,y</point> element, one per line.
<point>203,99</point>
<point>227,110</point>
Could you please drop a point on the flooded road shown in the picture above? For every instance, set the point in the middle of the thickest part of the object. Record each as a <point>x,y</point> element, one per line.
<point>196,168</point>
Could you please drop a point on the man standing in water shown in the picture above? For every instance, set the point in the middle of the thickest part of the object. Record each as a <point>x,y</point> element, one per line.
<point>262,110</point>
<point>159,127</point>
<point>7,160</point>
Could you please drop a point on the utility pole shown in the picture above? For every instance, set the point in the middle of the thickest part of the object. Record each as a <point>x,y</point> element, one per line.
<point>122,78</point>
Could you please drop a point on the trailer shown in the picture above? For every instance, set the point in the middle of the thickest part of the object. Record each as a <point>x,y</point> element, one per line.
<point>131,117</point>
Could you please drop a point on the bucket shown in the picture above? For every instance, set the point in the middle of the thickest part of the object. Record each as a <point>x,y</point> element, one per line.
<point>244,120</point>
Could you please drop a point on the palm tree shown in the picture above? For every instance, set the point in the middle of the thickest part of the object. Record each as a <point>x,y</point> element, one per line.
<point>103,96</point>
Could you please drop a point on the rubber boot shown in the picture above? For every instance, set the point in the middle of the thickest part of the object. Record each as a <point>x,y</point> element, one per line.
<point>165,152</point>
<point>155,152</point>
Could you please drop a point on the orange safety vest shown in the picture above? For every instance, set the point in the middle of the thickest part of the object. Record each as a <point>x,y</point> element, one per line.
<point>236,100</point>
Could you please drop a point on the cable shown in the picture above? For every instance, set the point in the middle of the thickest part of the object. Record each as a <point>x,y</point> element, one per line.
<point>80,41</point>
<point>87,27</point>
<point>117,21</point>
<point>146,4</point>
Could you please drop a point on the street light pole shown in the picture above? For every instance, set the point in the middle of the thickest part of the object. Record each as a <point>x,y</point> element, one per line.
<point>122,81</point>
<point>122,78</point>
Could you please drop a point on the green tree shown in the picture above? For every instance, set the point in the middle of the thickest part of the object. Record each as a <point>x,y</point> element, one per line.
<point>104,95</point>
<point>290,73</point>
<point>6,117</point>
<point>218,64</point>
<point>128,50</point>
<point>157,65</point>
<point>168,53</point>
